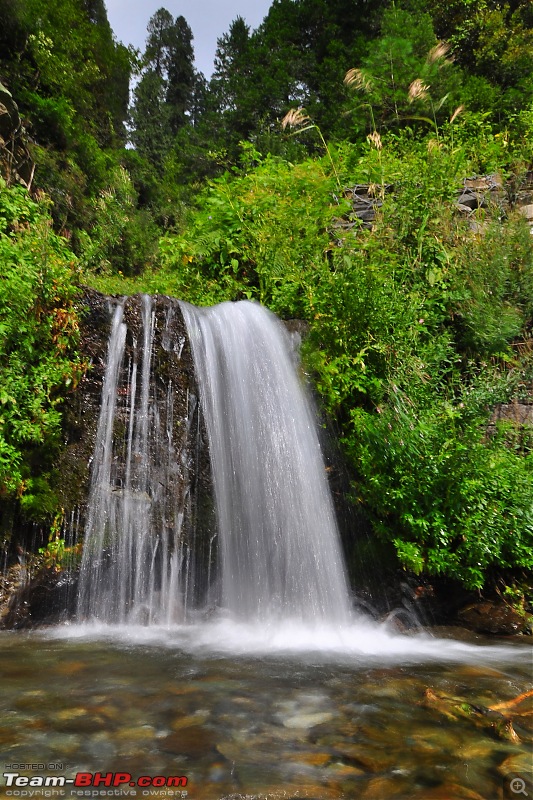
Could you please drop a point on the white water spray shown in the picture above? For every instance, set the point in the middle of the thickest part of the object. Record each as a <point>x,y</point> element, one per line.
<point>279,555</point>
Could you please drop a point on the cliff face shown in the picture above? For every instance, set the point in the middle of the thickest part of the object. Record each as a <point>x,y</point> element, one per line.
<point>171,369</point>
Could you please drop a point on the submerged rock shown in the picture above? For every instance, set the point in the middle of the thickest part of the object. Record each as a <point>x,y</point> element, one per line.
<point>194,742</point>
<point>308,720</point>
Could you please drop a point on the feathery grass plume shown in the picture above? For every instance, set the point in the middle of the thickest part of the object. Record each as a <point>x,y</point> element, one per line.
<point>439,52</point>
<point>295,118</point>
<point>357,78</point>
<point>417,90</point>
<point>375,139</point>
<point>458,110</point>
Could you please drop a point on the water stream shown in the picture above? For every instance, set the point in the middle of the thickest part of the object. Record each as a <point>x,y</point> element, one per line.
<point>137,564</point>
<point>279,554</point>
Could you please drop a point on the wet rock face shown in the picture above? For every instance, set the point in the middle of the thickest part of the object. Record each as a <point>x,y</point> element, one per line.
<point>47,597</point>
<point>42,595</point>
<point>519,413</point>
<point>173,371</point>
<point>81,410</point>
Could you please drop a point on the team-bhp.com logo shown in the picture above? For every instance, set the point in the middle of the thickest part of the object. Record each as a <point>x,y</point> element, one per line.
<point>107,783</point>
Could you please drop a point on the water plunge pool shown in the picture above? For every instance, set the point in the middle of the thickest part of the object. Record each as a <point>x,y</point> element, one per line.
<point>299,721</point>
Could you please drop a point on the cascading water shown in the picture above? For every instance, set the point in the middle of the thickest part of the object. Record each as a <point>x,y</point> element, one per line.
<point>137,564</point>
<point>279,548</point>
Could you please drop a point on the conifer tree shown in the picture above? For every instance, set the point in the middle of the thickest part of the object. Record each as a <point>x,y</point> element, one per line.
<point>232,94</point>
<point>169,93</point>
<point>151,134</point>
<point>181,78</point>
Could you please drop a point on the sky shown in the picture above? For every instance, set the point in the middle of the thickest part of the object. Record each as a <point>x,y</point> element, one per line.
<point>208,19</point>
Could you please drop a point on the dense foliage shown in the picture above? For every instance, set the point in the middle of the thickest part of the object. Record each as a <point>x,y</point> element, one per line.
<point>70,79</point>
<point>38,362</point>
<point>420,324</point>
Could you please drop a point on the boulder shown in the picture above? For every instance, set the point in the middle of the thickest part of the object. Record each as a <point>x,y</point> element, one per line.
<point>491,616</point>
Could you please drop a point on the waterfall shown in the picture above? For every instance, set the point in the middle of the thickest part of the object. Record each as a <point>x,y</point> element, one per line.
<point>137,564</point>
<point>275,551</point>
<point>280,554</point>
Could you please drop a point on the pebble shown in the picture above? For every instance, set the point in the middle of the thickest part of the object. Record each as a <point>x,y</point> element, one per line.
<point>369,759</point>
<point>69,668</point>
<point>77,720</point>
<point>322,732</point>
<point>343,772</point>
<point>138,734</point>
<point>7,736</point>
<point>308,720</point>
<point>382,789</point>
<point>100,747</point>
<point>313,759</point>
<point>190,720</point>
<point>448,791</point>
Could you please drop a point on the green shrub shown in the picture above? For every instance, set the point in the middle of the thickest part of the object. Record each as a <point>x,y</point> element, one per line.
<point>122,238</point>
<point>452,500</point>
<point>38,339</point>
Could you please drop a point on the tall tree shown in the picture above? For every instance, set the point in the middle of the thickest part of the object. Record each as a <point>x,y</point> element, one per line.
<point>158,43</point>
<point>297,56</point>
<point>96,12</point>
<point>170,91</point>
<point>232,65</point>
<point>151,135</point>
<point>70,79</point>
<point>181,80</point>
<point>230,88</point>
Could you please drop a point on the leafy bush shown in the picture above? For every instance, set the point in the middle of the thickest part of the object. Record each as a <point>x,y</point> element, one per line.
<point>38,338</point>
<point>260,235</point>
<point>122,238</point>
<point>451,500</point>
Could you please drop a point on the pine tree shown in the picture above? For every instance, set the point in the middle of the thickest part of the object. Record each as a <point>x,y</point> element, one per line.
<point>181,75</point>
<point>169,94</point>
<point>232,94</point>
<point>158,43</point>
<point>232,66</point>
